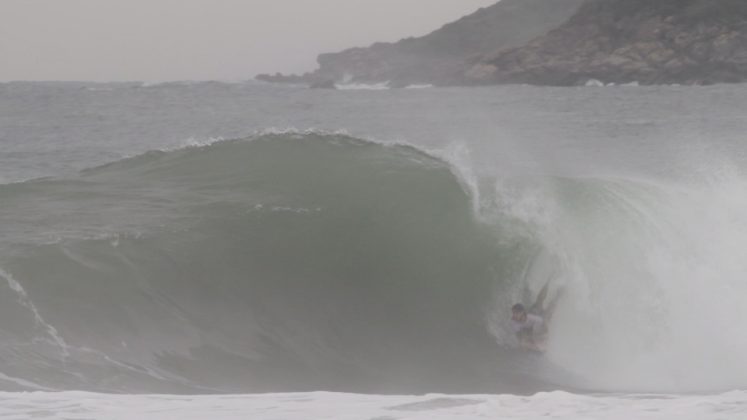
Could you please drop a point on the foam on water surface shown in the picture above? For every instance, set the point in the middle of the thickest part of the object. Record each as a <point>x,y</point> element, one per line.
<point>319,405</point>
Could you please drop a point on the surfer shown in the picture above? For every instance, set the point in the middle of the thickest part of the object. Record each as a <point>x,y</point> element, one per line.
<point>531,326</point>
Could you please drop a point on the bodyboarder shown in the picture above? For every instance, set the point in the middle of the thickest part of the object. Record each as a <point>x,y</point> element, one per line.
<point>531,326</point>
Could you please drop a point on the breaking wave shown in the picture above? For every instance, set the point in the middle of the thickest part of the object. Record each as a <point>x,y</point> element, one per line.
<point>292,262</point>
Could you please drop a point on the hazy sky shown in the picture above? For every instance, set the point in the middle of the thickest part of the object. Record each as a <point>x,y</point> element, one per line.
<point>156,40</point>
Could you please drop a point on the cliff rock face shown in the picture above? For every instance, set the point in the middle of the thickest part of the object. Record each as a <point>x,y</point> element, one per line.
<point>442,57</point>
<point>623,41</point>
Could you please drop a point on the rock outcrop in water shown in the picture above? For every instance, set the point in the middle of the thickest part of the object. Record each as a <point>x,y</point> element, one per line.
<point>442,57</point>
<point>623,41</point>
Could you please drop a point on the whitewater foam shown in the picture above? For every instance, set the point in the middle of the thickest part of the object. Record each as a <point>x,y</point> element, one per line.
<point>363,86</point>
<point>642,265</point>
<point>418,86</point>
<point>561,405</point>
<point>25,301</point>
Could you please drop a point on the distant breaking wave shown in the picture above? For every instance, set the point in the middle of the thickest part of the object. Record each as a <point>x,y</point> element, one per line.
<point>363,86</point>
<point>296,262</point>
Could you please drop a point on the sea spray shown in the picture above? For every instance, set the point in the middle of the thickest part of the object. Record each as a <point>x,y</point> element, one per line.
<point>653,274</point>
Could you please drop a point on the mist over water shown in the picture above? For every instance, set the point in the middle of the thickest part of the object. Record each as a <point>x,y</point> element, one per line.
<point>155,257</point>
<point>646,266</point>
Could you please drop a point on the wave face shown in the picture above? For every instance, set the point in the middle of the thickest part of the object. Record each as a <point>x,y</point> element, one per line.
<point>294,262</point>
<point>284,262</point>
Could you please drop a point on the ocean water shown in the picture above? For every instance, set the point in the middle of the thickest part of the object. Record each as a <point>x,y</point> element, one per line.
<point>224,250</point>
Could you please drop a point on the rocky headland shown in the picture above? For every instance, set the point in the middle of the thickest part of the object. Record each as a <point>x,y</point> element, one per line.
<point>690,42</point>
<point>443,56</point>
<point>558,43</point>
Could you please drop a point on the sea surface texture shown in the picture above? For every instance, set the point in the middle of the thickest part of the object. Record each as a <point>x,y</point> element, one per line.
<point>163,241</point>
